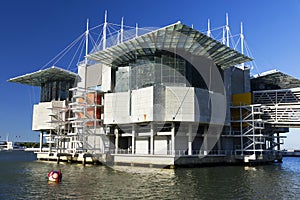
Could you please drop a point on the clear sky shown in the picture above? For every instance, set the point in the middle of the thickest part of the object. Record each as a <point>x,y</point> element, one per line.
<point>34,31</point>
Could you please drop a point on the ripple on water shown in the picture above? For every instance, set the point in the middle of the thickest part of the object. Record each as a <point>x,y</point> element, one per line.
<point>27,179</point>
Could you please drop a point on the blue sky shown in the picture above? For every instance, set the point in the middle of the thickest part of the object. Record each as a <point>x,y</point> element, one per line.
<point>34,31</point>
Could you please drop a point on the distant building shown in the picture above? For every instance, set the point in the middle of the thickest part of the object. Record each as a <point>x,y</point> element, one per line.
<point>172,96</point>
<point>7,145</point>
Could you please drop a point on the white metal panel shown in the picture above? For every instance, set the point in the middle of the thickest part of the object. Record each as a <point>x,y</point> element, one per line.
<point>142,146</point>
<point>106,78</point>
<point>179,104</point>
<point>161,145</point>
<point>94,75</point>
<point>81,76</point>
<point>43,115</point>
<point>142,104</point>
<point>116,108</point>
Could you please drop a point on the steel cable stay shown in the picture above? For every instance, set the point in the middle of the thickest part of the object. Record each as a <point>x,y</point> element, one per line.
<point>63,51</point>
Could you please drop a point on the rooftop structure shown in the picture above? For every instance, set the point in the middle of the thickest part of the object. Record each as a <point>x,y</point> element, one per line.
<point>173,37</point>
<point>273,80</point>
<point>54,83</point>
<point>43,76</point>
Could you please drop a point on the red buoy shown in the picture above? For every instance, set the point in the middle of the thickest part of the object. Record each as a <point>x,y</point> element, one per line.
<point>55,176</point>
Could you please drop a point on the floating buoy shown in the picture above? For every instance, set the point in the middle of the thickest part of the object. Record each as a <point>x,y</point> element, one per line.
<point>55,176</point>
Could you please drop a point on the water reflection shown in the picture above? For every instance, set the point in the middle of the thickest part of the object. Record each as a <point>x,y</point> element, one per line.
<point>27,179</point>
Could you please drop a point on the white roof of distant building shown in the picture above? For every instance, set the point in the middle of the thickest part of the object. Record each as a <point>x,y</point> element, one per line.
<point>42,76</point>
<point>274,79</point>
<point>265,73</point>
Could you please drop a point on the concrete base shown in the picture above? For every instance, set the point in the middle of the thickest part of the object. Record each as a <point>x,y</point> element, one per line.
<point>165,161</point>
<point>143,160</point>
<point>83,158</point>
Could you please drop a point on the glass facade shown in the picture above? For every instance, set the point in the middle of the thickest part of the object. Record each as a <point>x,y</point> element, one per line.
<point>163,69</point>
<point>56,90</point>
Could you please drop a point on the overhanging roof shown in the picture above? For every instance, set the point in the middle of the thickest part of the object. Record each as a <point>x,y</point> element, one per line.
<point>273,79</point>
<point>43,76</point>
<point>176,36</point>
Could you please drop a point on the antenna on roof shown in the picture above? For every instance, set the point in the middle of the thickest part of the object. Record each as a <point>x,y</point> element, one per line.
<point>242,38</point>
<point>208,28</point>
<point>86,41</point>
<point>242,43</point>
<point>122,29</point>
<point>118,37</point>
<point>104,31</point>
<point>136,30</point>
<point>227,30</point>
<point>223,36</point>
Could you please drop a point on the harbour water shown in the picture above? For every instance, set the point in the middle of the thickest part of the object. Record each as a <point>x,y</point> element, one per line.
<point>22,177</point>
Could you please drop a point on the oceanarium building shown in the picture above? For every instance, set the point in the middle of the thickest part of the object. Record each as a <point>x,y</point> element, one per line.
<point>172,96</point>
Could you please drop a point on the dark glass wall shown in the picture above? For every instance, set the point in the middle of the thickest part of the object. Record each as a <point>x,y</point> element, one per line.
<point>160,69</point>
<point>56,90</point>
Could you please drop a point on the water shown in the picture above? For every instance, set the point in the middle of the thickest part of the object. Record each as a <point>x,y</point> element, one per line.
<point>22,177</point>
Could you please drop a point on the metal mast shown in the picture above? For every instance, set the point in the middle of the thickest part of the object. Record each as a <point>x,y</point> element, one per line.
<point>242,42</point>
<point>208,28</point>
<point>122,29</point>
<point>227,30</point>
<point>242,38</point>
<point>86,41</point>
<point>136,30</point>
<point>223,36</point>
<point>104,31</point>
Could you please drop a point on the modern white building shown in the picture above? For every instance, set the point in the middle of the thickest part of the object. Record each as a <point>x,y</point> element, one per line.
<point>172,96</point>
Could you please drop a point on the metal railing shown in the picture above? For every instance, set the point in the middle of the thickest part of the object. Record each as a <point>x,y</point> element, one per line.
<point>177,152</point>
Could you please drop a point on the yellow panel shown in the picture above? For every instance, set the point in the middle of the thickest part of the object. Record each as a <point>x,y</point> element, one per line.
<point>241,99</point>
<point>235,114</point>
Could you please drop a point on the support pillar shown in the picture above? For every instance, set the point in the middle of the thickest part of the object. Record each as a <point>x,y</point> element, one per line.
<point>152,138</point>
<point>84,160</point>
<point>173,139</point>
<point>219,146</point>
<point>50,142</point>
<point>116,140</point>
<point>278,142</point>
<point>41,140</point>
<point>190,140</point>
<point>133,140</point>
<point>205,145</point>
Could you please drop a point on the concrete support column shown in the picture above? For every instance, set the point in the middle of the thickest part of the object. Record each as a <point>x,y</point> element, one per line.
<point>50,144</point>
<point>133,139</point>
<point>152,138</point>
<point>116,140</point>
<point>41,140</point>
<point>278,141</point>
<point>173,139</point>
<point>219,146</point>
<point>190,140</point>
<point>205,145</point>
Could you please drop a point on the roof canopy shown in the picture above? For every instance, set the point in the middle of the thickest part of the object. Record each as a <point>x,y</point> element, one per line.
<point>43,76</point>
<point>273,79</point>
<point>174,37</point>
